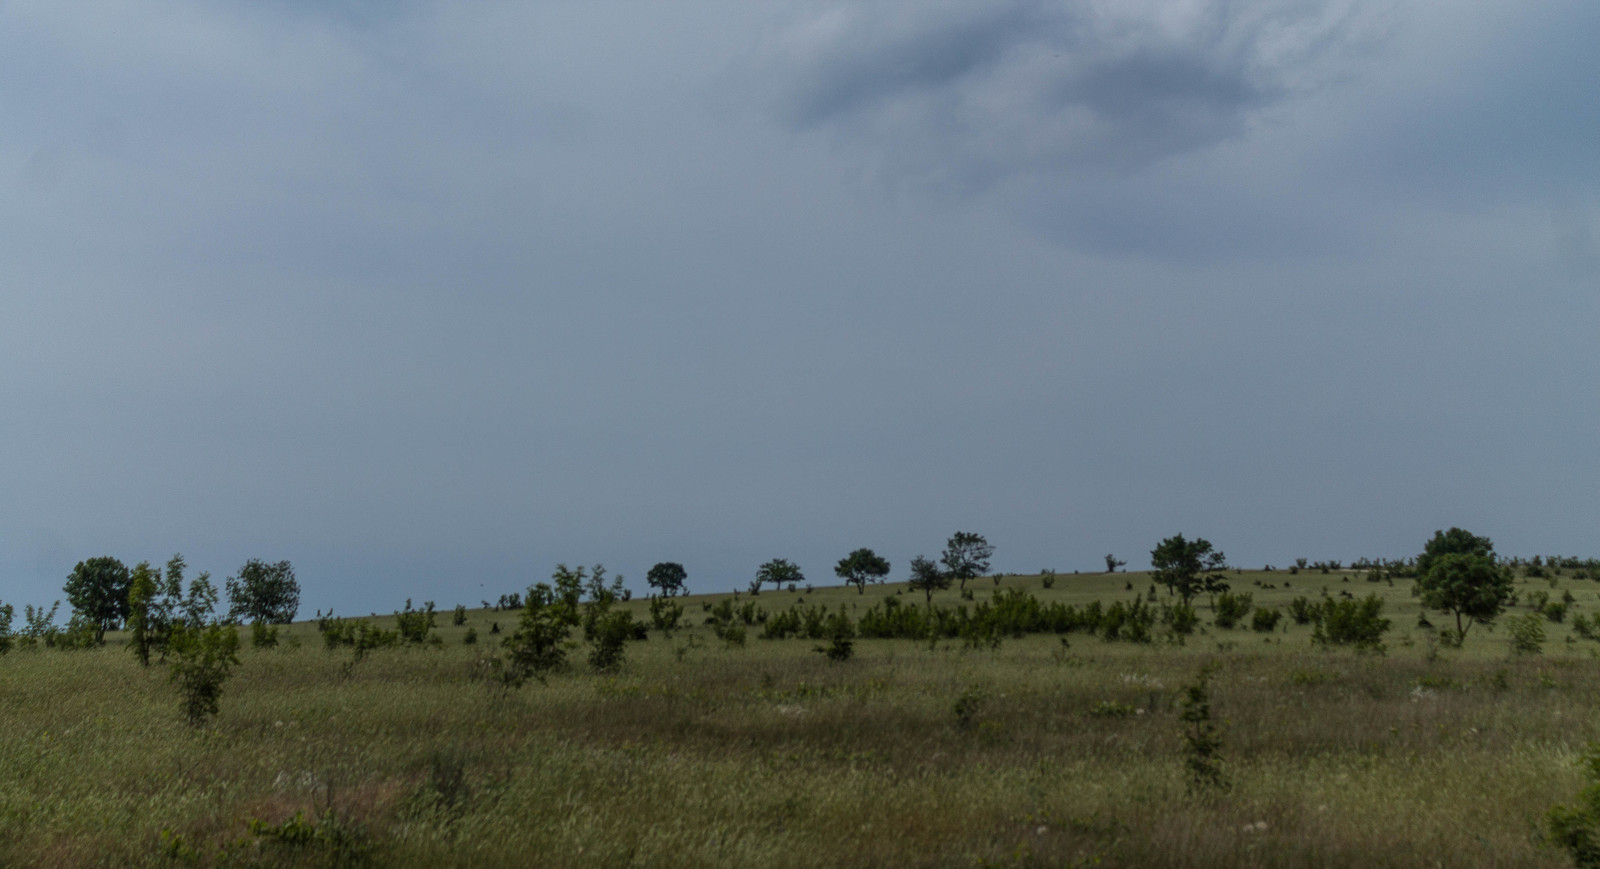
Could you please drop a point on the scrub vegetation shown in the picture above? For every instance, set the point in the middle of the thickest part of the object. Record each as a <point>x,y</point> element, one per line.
<point>1054,719</point>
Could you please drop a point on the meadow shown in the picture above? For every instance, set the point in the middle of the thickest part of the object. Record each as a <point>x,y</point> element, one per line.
<point>1044,750</point>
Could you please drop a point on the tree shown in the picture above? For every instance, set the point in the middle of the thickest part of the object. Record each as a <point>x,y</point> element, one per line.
<point>669,577</point>
<point>860,567</point>
<point>779,572</point>
<point>1113,562</point>
<point>265,593</point>
<point>203,659</point>
<point>1453,542</point>
<point>1462,578</point>
<point>966,556</point>
<point>1188,567</point>
<point>141,605</point>
<point>200,605</point>
<point>98,591</point>
<point>927,578</point>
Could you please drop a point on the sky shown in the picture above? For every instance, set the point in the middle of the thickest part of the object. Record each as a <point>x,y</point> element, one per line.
<point>428,297</point>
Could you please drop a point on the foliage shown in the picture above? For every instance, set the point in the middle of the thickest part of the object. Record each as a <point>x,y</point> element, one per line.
<point>861,567</point>
<point>669,577</point>
<point>1302,610</point>
<point>966,556</point>
<point>1453,542</point>
<point>1577,827</point>
<point>7,613</point>
<point>1458,574</point>
<point>927,578</point>
<point>1527,634</point>
<point>264,592</point>
<point>325,841</point>
<point>200,604</point>
<point>665,614</point>
<point>38,625</point>
<point>263,636</point>
<point>141,597</point>
<point>458,616</point>
<point>1113,562</point>
<point>97,589</point>
<point>1265,621</point>
<point>1350,622</point>
<point>1231,608</point>
<point>1188,567</point>
<point>202,661</point>
<point>414,625</point>
<point>539,644</point>
<point>1201,739</point>
<point>778,572</point>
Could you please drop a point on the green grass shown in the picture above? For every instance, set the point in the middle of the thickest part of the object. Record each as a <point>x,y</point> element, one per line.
<point>699,754</point>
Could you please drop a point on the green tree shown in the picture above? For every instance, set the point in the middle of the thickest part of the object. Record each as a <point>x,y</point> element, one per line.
<point>966,556</point>
<point>779,572</point>
<point>97,589</point>
<point>1113,562</point>
<point>1453,542</point>
<point>262,592</point>
<point>927,577</point>
<point>669,577</point>
<point>199,606</point>
<point>1188,567</point>
<point>1463,578</point>
<point>860,567</point>
<point>142,588</point>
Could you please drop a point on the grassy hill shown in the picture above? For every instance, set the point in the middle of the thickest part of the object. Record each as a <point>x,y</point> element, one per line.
<point>1048,750</point>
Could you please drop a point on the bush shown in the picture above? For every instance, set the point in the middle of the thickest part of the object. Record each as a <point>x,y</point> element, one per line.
<point>1577,827</point>
<point>262,636</point>
<point>1180,618</point>
<point>459,617</point>
<point>414,625</point>
<point>1527,634</point>
<point>1351,622</point>
<point>1265,621</point>
<point>471,638</point>
<point>1302,611</point>
<point>202,661</point>
<point>1231,608</point>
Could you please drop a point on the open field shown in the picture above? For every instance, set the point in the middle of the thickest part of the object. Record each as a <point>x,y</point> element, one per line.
<point>1037,753</point>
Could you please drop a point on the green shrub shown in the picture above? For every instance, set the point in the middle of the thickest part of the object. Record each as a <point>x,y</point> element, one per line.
<point>1527,634</point>
<point>471,637</point>
<point>414,625</point>
<point>263,636</point>
<point>459,616</point>
<point>202,660</point>
<point>1351,622</point>
<point>1231,608</point>
<point>1265,621</point>
<point>1577,827</point>
<point>1112,709</point>
<point>1180,618</point>
<point>7,613</point>
<point>1201,740</point>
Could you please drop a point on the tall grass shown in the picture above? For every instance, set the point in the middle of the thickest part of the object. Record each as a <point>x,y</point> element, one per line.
<point>696,753</point>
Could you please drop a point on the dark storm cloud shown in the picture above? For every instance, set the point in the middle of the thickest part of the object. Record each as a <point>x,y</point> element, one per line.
<point>959,97</point>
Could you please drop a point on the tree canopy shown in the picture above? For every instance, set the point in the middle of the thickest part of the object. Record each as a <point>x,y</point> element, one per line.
<point>966,556</point>
<point>1458,574</point>
<point>97,588</point>
<point>1188,567</point>
<point>860,567</point>
<point>779,572</point>
<point>669,577</point>
<point>264,593</point>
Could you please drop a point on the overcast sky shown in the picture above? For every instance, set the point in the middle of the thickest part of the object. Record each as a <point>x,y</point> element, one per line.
<point>427,297</point>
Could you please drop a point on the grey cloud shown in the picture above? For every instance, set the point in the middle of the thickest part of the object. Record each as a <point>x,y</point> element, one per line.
<point>946,97</point>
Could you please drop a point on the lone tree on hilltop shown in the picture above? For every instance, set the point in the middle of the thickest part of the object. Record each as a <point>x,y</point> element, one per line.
<point>927,578</point>
<point>1188,567</point>
<point>1113,562</point>
<point>860,567</point>
<point>966,556</point>
<point>779,572</point>
<point>264,593</point>
<point>98,588</point>
<point>669,577</point>
<point>1457,573</point>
